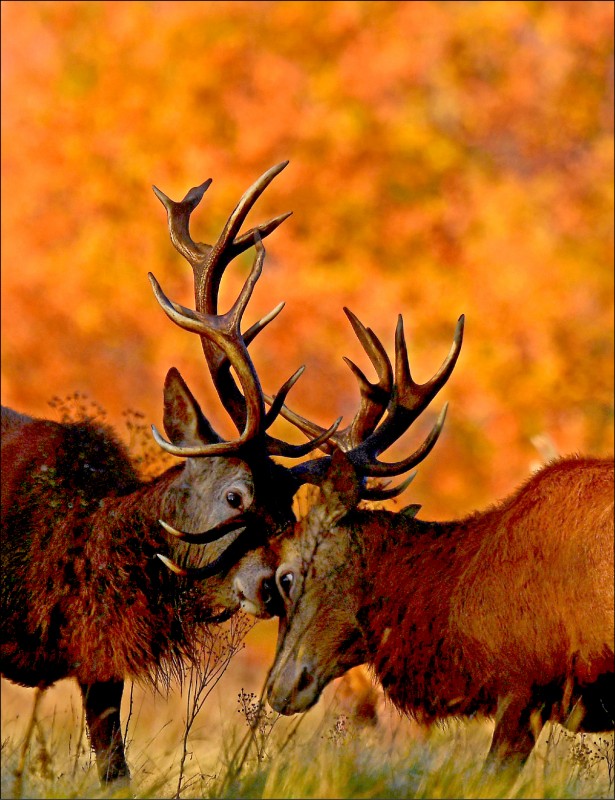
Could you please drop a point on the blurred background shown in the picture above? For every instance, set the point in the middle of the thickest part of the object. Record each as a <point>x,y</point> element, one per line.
<point>445,158</point>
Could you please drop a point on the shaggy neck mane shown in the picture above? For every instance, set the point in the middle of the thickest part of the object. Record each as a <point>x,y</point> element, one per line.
<point>85,534</point>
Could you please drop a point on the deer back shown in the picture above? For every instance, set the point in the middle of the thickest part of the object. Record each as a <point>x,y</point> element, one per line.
<point>58,555</point>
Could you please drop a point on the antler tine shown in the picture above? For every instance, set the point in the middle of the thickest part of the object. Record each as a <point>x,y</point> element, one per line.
<point>178,216</point>
<point>281,448</point>
<point>277,447</point>
<point>408,400</point>
<point>374,396</point>
<point>277,401</point>
<point>388,494</point>
<point>223,331</point>
<point>302,423</point>
<point>208,274</point>
<point>258,326</point>
<point>433,385</point>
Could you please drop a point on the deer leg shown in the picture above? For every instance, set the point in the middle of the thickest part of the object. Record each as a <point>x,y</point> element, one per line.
<point>102,711</point>
<point>517,728</point>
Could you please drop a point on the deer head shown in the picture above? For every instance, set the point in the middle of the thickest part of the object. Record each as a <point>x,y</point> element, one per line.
<point>319,566</point>
<point>234,486</point>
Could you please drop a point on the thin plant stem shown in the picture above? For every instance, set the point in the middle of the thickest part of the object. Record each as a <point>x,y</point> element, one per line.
<point>19,771</point>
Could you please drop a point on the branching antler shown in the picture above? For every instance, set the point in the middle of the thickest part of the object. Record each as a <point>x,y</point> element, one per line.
<point>399,399</point>
<point>224,347</point>
<point>408,400</point>
<point>223,343</point>
<point>209,262</point>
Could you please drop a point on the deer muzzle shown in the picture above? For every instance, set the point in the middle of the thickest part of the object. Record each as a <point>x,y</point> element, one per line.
<point>256,592</point>
<point>294,688</point>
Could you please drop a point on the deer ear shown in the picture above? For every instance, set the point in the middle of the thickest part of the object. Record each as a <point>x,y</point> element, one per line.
<point>341,487</point>
<point>184,422</point>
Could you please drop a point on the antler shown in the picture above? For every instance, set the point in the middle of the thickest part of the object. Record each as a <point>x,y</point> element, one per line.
<point>223,331</point>
<point>221,338</point>
<point>209,262</point>
<point>374,396</point>
<point>399,397</point>
<point>408,400</point>
<point>224,346</point>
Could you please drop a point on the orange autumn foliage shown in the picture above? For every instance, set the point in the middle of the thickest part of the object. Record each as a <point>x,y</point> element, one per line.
<point>445,158</point>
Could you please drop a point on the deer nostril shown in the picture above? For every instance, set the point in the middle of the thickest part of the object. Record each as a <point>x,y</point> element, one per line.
<point>305,680</point>
<point>266,592</point>
<point>271,597</point>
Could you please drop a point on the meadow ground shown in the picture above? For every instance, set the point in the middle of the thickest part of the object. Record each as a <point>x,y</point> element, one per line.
<point>339,749</point>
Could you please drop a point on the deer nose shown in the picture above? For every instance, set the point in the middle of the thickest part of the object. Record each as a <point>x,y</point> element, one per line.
<point>306,679</point>
<point>270,597</point>
<point>255,590</point>
<point>291,692</point>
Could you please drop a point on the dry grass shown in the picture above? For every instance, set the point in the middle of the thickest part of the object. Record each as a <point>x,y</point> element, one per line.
<point>232,751</point>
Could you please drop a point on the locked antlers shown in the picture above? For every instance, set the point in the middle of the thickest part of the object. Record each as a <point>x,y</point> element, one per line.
<point>387,407</point>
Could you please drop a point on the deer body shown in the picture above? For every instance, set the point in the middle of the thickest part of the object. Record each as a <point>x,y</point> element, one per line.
<point>512,603</point>
<point>81,535</point>
<point>83,594</point>
<point>508,612</point>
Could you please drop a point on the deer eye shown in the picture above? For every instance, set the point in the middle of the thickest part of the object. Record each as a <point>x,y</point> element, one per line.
<point>234,499</point>
<point>286,583</point>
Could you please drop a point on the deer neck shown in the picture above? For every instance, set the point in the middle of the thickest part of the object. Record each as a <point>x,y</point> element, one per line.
<point>412,569</point>
<point>138,512</point>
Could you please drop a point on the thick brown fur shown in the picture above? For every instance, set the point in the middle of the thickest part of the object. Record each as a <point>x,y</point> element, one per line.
<point>83,593</point>
<point>508,612</point>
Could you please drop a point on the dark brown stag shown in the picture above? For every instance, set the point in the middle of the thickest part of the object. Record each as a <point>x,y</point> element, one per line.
<point>83,593</point>
<point>507,613</point>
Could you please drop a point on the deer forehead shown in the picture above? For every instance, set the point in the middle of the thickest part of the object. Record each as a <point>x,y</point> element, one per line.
<point>215,473</point>
<point>312,553</point>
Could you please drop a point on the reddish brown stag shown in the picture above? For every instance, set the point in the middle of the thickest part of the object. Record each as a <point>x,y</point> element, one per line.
<point>506,613</point>
<point>83,593</point>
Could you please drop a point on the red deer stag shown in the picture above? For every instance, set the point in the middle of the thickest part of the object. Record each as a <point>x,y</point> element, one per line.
<point>507,613</point>
<point>83,594</point>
